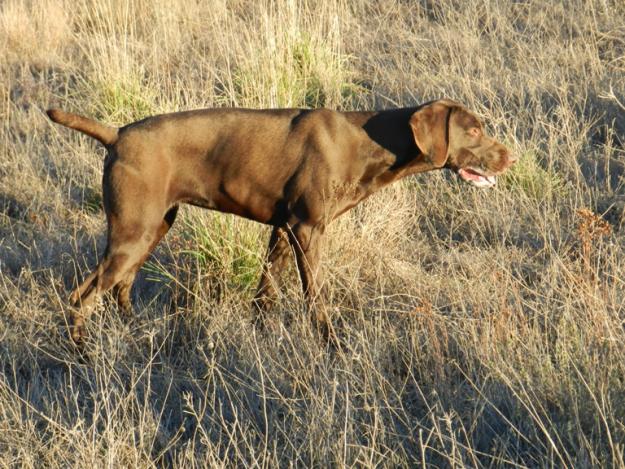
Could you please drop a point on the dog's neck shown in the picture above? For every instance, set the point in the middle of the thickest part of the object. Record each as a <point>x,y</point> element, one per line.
<point>390,130</point>
<point>394,153</point>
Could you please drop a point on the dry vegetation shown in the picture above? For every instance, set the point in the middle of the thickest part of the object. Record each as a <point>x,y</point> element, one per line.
<point>480,328</point>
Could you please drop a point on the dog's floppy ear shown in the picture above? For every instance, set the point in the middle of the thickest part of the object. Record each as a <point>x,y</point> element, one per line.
<point>429,127</point>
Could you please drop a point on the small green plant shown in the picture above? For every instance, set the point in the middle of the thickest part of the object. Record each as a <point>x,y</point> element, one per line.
<point>226,247</point>
<point>536,182</point>
<point>123,100</point>
<point>298,73</point>
<point>311,91</point>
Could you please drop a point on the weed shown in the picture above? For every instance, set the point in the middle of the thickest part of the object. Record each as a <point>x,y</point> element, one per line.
<point>302,73</point>
<point>530,178</point>
<point>226,247</point>
<point>122,99</point>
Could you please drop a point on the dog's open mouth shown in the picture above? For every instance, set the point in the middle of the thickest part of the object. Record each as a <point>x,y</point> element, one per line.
<point>477,179</point>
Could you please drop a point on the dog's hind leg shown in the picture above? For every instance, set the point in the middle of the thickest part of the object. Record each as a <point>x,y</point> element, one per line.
<point>122,289</point>
<point>137,221</point>
<point>124,256</point>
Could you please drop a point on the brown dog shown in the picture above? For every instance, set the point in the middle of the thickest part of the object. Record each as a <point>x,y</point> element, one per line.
<point>293,169</point>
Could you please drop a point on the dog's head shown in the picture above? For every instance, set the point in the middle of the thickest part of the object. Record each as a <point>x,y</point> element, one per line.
<point>453,137</point>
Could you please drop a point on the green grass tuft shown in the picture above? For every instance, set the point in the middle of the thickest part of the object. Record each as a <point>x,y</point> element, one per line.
<point>529,177</point>
<point>303,73</point>
<point>226,247</point>
<point>122,100</point>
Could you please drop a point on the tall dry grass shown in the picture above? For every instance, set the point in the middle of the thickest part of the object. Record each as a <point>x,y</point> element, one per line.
<point>480,328</point>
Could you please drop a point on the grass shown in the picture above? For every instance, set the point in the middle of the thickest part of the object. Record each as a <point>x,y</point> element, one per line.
<point>216,247</point>
<point>480,328</point>
<point>121,99</point>
<point>529,178</point>
<point>296,69</point>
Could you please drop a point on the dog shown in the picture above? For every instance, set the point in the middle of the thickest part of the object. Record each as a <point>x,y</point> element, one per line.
<point>293,169</point>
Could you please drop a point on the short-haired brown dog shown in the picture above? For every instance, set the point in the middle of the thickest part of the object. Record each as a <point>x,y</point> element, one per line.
<point>293,169</point>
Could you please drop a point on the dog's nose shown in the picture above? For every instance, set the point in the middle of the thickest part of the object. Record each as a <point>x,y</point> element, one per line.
<point>508,157</point>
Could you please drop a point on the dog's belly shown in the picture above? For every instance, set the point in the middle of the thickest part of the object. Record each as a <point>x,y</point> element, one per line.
<point>255,209</point>
<point>261,209</point>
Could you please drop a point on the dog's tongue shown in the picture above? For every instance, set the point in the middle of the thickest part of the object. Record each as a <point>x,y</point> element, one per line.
<point>476,178</point>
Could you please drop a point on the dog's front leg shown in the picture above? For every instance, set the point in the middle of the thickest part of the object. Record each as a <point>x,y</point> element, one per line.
<point>277,255</point>
<point>307,242</point>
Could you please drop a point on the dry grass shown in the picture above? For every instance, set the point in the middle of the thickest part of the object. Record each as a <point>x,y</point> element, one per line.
<point>481,328</point>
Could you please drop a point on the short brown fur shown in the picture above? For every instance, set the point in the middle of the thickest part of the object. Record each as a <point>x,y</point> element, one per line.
<point>294,169</point>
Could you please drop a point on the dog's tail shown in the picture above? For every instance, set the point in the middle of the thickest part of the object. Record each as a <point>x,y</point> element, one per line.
<point>104,133</point>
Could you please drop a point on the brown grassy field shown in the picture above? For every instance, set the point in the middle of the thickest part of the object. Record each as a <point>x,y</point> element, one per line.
<point>481,328</point>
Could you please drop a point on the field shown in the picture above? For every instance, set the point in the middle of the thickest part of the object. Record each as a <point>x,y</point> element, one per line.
<point>480,328</point>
